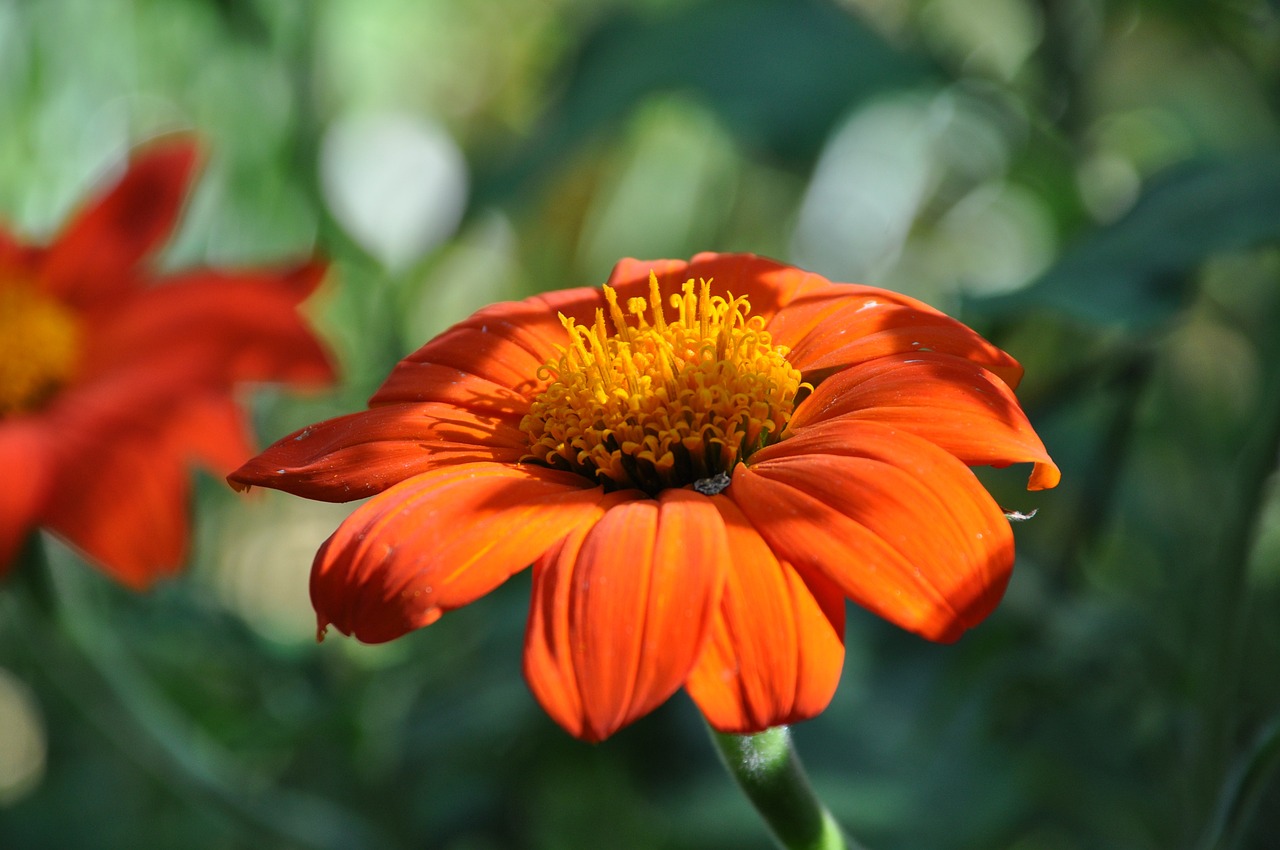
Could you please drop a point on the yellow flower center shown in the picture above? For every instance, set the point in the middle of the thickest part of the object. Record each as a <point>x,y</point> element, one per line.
<point>39,347</point>
<point>660,404</point>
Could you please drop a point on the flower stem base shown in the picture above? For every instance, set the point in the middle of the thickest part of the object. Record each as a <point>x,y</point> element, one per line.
<point>769,771</point>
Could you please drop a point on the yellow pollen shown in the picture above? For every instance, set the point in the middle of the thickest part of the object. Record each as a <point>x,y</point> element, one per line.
<point>658,404</point>
<point>39,347</point>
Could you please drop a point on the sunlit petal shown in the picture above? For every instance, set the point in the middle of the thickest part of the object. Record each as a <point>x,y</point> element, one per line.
<point>848,324</point>
<point>900,525</point>
<point>360,454</point>
<point>439,541</point>
<point>767,284</point>
<point>950,401</point>
<point>500,348</point>
<point>620,613</point>
<point>777,641</point>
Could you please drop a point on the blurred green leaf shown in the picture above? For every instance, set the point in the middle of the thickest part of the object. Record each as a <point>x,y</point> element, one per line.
<point>1134,273</point>
<point>780,73</point>
<point>1240,794</point>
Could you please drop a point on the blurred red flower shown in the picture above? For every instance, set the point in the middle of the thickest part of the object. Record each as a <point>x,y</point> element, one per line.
<point>114,377</point>
<point>700,461</point>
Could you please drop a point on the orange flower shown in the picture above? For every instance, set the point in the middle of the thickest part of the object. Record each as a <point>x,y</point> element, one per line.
<point>701,461</point>
<point>114,377</point>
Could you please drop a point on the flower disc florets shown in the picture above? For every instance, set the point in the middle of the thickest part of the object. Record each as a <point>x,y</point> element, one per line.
<point>655,405</point>
<point>39,348</point>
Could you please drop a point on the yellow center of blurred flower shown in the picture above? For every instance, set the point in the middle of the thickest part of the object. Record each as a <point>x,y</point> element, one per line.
<point>39,347</point>
<point>660,404</point>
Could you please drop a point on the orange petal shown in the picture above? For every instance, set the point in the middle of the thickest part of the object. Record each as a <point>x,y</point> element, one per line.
<point>360,454</point>
<point>224,326</point>
<point>503,345</point>
<point>851,324</point>
<point>441,540</point>
<point>411,383</point>
<point>621,612</point>
<point>26,461</point>
<point>96,256</point>
<point>491,359</point>
<point>949,401</point>
<point>767,284</point>
<point>548,663</point>
<point>903,527</point>
<point>776,644</point>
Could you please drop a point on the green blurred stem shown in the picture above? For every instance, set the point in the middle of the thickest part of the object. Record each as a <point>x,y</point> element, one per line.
<point>82,657</point>
<point>768,770</point>
<point>1243,790</point>
<point>1232,617</point>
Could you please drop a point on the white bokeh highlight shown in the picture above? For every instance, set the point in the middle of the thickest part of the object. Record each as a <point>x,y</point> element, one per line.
<point>397,183</point>
<point>23,742</point>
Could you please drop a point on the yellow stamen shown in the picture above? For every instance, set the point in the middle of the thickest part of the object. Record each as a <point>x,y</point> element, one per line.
<point>39,347</point>
<point>655,404</point>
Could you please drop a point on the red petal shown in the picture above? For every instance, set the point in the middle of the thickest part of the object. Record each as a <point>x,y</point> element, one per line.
<point>122,449</point>
<point>11,250</point>
<point>441,540</point>
<point>97,254</point>
<point>18,262</point>
<point>951,402</point>
<point>224,326</point>
<point>621,612</point>
<point>902,526</point>
<point>122,499</point>
<point>776,644</point>
<point>850,324</point>
<point>211,429</point>
<point>25,459</point>
<point>360,454</point>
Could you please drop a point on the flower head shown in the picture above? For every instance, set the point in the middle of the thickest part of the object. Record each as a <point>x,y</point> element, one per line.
<point>113,377</point>
<point>700,460</point>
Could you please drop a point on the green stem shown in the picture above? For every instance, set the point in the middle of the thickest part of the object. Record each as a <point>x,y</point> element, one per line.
<point>768,770</point>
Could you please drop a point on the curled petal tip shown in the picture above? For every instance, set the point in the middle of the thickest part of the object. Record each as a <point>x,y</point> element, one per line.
<point>1045,476</point>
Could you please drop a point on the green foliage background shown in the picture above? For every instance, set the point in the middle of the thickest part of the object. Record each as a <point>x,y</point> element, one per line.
<point>1093,183</point>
